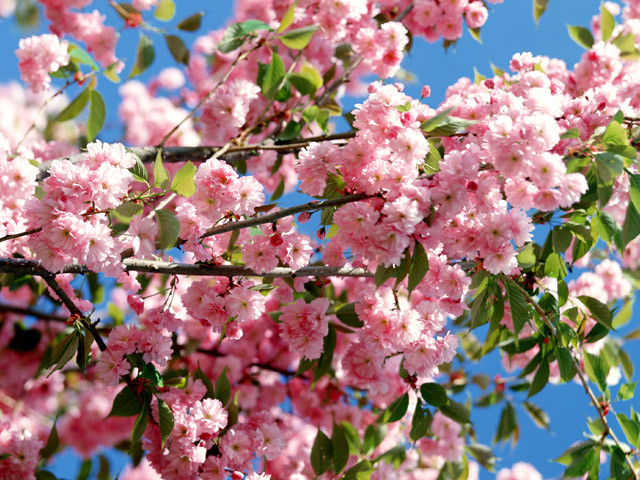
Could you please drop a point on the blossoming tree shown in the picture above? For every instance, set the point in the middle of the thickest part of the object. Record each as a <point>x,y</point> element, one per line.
<point>160,299</point>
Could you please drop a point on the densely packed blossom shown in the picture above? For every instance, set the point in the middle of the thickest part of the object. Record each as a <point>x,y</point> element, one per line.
<point>38,56</point>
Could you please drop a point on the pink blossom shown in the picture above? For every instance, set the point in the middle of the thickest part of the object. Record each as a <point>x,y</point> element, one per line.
<point>39,56</point>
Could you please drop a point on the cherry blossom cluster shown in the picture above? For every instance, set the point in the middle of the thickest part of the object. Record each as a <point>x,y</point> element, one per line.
<point>433,19</point>
<point>38,56</point>
<point>76,198</point>
<point>148,118</point>
<point>86,27</point>
<point>23,449</point>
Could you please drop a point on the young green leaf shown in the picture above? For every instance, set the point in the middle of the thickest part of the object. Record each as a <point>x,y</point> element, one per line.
<point>581,36</point>
<point>607,23</point>
<point>53,443</point>
<point>145,56</point>
<point>168,229</point>
<point>273,77</point>
<point>178,49</point>
<point>160,173</point>
<point>97,113</point>
<point>299,38</point>
<point>288,17</point>
<point>165,417</point>
<point>76,107</point>
<point>540,379</point>
<point>183,183</point>
<point>165,10</point>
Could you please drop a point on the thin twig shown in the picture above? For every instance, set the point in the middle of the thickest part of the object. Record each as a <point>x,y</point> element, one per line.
<point>224,78</point>
<point>31,313</point>
<point>285,212</point>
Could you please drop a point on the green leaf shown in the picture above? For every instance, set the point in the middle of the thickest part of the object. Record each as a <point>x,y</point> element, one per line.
<point>607,23</point>
<point>273,77</point>
<point>596,370</point>
<point>223,388</point>
<point>288,18</point>
<point>360,471</point>
<point>631,227</point>
<point>609,166</point>
<point>554,266</point>
<point>599,311</point>
<point>139,171</point>
<point>373,436</point>
<point>104,471</point>
<point>199,374</point>
<point>508,425</point>
<point>145,56</point>
<point>150,372</point>
<point>419,266</point>
<point>85,469</point>
<point>626,391</point>
<point>97,114</point>
<point>126,404</point>
<point>78,55</point>
<point>352,437</point>
<point>111,73</point>
<point>321,453</point>
<point>340,449</point>
<point>299,38</point>
<point>191,23</point>
<point>253,25</point>
<point>277,193</point>
<point>165,417</point>
<point>382,274</point>
<point>64,351</point>
<point>76,107</point>
<point>571,133</point>
<point>396,410</point>
<point>129,209</point>
<point>168,229</point>
<point>475,33</point>
<point>140,425</point>
<point>45,475</point>
<point>539,7</point>
<point>456,411</point>
<point>565,364</point>
<point>540,379</point>
<point>520,312</point>
<point>53,443</point>
<point>445,126</point>
<point>581,36</point>
<point>420,423</point>
<point>183,183</point>
<point>631,429</point>
<point>307,81</point>
<point>165,10</point>
<point>160,173</point>
<point>615,134</point>
<point>178,49</point>
<point>231,39</point>
<point>539,416</point>
<point>434,394</point>
<point>325,360</point>
<point>347,315</point>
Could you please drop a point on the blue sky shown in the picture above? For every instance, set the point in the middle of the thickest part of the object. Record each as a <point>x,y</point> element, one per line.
<point>510,29</point>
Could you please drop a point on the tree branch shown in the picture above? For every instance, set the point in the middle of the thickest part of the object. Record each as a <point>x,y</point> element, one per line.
<point>32,267</point>
<point>285,212</point>
<point>31,313</point>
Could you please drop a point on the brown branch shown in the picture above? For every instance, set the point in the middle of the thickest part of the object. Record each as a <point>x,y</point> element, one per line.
<point>285,212</point>
<point>603,417</point>
<point>31,313</point>
<point>205,152</point>
<point>32,267</point>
